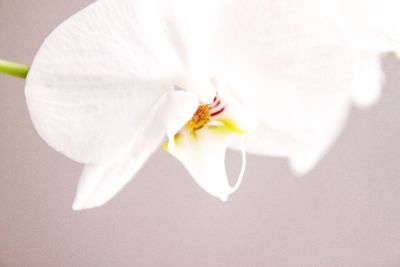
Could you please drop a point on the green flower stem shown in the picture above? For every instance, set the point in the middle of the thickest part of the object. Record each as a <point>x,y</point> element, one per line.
<point>13,69</point>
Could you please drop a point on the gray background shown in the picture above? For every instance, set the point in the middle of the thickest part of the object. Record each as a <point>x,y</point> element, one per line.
<point>345,213</point>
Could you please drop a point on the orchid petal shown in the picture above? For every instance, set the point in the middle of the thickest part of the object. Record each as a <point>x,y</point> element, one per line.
<point>374,24</point>
<point>324,134</point>
<point>99,183</point>
<point>203,155</point>
<point>304,148</point>
<point>97,76</point>
<point>370,79</point>
<point>292,62</point>
<point>191,26</point>
<point>267,141</point>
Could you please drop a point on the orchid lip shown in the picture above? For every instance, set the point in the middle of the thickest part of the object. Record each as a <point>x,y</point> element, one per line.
<point>201,144</point>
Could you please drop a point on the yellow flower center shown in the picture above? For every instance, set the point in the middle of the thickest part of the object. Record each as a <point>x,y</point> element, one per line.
<point>221,124</point>
<point>200,118</point>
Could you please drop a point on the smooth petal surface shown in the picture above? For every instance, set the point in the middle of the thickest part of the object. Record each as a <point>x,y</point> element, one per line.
<point>370,80</point>
<point>304,148</point>
<point>203,155</point>
<point>267,141</point>
<point>192,26</point>
<point>99,183</point>
<point>289,60</point>
<point>374,24</point>
<point>323,134</point>
<point>97,76</point>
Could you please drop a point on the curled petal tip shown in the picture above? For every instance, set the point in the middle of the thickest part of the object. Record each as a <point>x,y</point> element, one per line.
<point>298,172</point>
<point>301,166</point>
<point>78,205</point>
<point>224,198</point>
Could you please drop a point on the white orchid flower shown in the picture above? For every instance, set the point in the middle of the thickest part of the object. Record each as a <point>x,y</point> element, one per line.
<point>109,83</point>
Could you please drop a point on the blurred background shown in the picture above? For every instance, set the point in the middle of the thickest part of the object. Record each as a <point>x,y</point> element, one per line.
<point>346,212</point>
